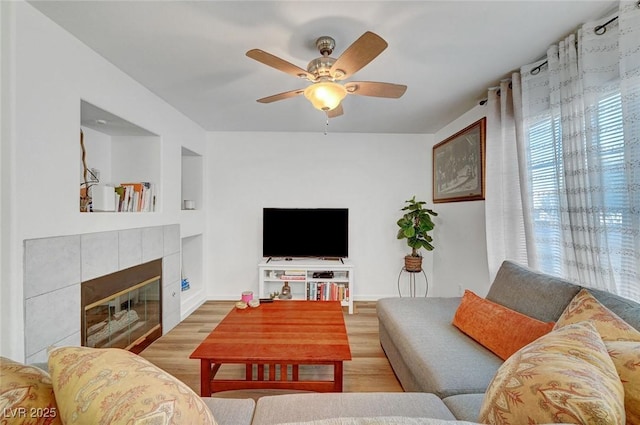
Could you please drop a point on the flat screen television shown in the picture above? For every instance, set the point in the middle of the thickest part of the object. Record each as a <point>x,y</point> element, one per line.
<point>305,232</point>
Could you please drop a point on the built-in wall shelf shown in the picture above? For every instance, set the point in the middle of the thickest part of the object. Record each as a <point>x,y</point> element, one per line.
<point>193,271</point>
<point>192,177</point>
<point>115,153</point>
<point>192,228</point>
<point>191,222</point>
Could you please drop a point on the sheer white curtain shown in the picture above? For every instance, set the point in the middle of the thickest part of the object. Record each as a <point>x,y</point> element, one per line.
<point>504,207</point>
<point>581,168</point>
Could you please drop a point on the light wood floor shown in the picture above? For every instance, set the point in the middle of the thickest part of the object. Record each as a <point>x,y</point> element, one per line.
<point>368,371</point>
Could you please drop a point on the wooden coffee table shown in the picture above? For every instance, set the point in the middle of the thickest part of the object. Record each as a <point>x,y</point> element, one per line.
<point>279,335</point>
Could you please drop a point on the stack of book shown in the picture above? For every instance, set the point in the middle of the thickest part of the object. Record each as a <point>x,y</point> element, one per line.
<point>136,197</point>
<point>327,291</point>
<point>294,275</point>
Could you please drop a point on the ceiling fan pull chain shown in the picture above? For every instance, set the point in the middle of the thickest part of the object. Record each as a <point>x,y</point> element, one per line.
<point>326,126</point>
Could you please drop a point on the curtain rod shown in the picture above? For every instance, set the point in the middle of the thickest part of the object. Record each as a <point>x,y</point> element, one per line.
<point>483,101</point>
<point>598,30</point>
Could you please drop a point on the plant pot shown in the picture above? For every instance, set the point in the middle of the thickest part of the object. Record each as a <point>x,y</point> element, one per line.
<point>413,264</point>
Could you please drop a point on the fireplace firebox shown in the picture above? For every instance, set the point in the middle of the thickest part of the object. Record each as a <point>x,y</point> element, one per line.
<point>123,309</point>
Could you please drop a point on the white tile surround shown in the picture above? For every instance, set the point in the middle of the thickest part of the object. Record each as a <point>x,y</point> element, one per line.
<point>55,267</point>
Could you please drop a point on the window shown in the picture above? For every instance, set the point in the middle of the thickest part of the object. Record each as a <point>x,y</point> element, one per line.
<point>546,182</point>
<point>607,200</point>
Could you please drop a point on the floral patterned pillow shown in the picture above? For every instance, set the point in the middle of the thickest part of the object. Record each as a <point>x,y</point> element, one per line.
<point>110,386</point>
<point>584,306</point>
<point>626,358</point>
<point>565,376</point>
<point>26,395</point>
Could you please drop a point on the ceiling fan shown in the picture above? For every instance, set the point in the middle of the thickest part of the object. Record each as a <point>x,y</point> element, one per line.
<point>326,93</point>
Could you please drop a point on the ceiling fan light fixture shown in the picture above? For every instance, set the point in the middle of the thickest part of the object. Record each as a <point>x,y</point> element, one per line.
<point>324,73</point>
<point>325,95</point>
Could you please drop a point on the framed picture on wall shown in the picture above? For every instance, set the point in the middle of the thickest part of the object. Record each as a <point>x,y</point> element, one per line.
<point>458,165</point>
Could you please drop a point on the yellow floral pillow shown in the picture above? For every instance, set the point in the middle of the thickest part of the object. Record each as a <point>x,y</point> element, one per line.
<point>565,376</point>
<point>611,327</point>
<point>26,395</point>
<point>626,358</point>
<point>112,387</point>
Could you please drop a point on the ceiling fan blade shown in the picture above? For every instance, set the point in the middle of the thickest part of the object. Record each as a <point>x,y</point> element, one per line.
<point>279,64</point>
<point>359,54</point>
<point>281,96</point>
<point>335,112</point>
<point>376,89</point>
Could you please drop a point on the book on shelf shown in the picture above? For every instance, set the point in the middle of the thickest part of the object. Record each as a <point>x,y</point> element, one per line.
<point>327,291</point>
<point>136,197</point>
<point>292,277</point>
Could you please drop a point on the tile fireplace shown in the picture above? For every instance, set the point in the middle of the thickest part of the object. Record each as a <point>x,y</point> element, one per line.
<point>56,267</point>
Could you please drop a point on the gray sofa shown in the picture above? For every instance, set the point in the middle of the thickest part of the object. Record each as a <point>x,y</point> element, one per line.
<point>429,354</point>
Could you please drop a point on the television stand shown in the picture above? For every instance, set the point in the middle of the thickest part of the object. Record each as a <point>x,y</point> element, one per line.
<point>273,273</point>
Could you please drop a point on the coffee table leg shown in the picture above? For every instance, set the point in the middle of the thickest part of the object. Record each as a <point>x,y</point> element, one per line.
<point>205,378</point>
<point>337,377</point>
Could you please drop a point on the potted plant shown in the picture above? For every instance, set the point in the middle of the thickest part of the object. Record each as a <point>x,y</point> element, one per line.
<point>415,226</point>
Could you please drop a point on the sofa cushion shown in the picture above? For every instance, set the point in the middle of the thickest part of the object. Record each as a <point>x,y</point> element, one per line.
<point>272,410</point>
<point>26,395</point>
<point>427,352</point>
<point>584,306</point>
<point>465,407</point>
<point>113,386</point>
<point>384,420</point>
<point>626,358</point>
<point>626,309</point>
<point>565,376</point>
<point>231,411</point>
<point>500,329</point>
<point>530,292</point>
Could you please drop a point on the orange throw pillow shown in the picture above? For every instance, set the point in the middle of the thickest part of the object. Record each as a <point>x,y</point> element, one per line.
<point>496,327</point>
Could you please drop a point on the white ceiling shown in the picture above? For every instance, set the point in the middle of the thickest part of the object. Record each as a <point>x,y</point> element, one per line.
<point>192,54</point>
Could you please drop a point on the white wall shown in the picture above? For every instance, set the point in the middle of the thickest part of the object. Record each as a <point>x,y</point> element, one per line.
<point>371,174</point>
<point>460,260</point>
<point>45,74</point>
<point>6,159</point>
<point>51,73</point>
